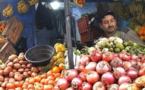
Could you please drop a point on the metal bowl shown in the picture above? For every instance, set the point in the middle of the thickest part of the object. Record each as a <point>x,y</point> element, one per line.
<point>40,55</point>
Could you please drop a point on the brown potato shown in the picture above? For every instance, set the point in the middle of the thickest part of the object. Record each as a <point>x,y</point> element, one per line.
<point>140,81</point>
<point>133,87</point>
<point>7,70</point>
<point>12,57</point>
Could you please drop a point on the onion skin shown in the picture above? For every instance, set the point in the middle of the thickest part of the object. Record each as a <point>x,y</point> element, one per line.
<point>96,56</point>
<point>86,86</point>
<point>141,72</point>
<point>113,87</point>
<point>84,59</point>
<point>127,65</point>
<point>76,83</point>
<point>133,74</point>
<point>124,86</point>
<point>99,86</point>
<point>116,62</point>
<point>91,66</point>
<point>62,84</point>
<point>71,74</point>
<point>118,72</point>
<point>92,77</point>
<point>124,79</point>
<point>108,78</point>
<point>103,67</point>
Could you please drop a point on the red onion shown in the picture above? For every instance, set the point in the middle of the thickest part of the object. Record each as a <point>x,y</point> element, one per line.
<point>91,66</point>
<point>142,65</point>
<point>141,58</point>
<point>84,59</point>
<point>70,74</point>
<point>116,54</point>
<point>118,72</point>
<point>141,71</point>
<point>135,64</point>
<point>80,67</point>
<point>108,78</point>
<point>69,88</point>
<point>76,83</point>
<point>124,86</point>
<point>121,54</point>
<point>96,56</point>
<point>62,83</point>
<point>82,75</point>
<point>86,86</point>
<point>133,74</point>
<point>92,77</point>
<point>113,87</point>
<point>116,62</point>
<point>99,86</point>
<point>126,65</point>
<point>134,57</point>
<point>103,67</point>
<point>124,79</point>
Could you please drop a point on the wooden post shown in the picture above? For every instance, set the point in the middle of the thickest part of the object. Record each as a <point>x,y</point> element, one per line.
<point>68,34</point>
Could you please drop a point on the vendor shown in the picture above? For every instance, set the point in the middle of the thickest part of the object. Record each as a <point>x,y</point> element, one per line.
<point>107,22</point>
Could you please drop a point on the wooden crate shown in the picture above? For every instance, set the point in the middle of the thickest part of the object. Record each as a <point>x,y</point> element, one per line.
<point>90,35</point>
<point>6,49</point>
<point>13,30</point>
<point>83,25</point>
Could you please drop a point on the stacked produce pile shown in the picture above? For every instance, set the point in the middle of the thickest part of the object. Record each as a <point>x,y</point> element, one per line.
<point>108,65</point>
<point>102,69</point>
<point>19,74</point>
<point>141,32</point>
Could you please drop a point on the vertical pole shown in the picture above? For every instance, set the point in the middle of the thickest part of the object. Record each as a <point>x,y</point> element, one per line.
<point>68,34</point>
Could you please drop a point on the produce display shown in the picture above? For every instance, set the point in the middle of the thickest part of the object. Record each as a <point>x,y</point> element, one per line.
<point>141,32</point>
<point>59,56</point>
<point>19,74</point>
<point>8,11</point>
<point>99,68</point>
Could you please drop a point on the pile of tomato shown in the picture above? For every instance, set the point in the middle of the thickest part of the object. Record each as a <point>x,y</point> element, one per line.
<point>19,74</point>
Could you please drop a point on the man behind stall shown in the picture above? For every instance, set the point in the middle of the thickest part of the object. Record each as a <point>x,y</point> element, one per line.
<point>107,22</point>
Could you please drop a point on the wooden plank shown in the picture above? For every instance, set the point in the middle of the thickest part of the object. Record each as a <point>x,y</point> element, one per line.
<point>6,50</point>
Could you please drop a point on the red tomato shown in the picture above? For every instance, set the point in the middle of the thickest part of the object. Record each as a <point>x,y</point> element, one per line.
<point>10,85</point>
<point>37,78</point>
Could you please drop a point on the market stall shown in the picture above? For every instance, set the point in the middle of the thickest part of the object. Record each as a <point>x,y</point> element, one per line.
<point>108,64</point>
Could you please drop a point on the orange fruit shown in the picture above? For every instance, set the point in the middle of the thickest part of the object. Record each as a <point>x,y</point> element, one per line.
<point>55,69</point>
<point>61,66</point>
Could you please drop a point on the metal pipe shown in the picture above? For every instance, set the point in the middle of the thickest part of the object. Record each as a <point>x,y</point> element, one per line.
<point>68,34</point>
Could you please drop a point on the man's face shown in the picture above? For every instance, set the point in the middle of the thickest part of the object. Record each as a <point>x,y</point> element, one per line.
<point>109,24</point>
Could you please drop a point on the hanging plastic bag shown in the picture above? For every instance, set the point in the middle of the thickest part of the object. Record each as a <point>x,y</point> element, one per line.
<point>44,17</point>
